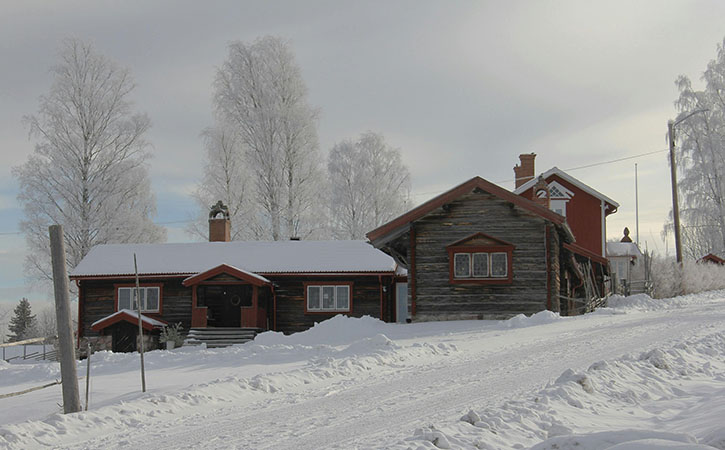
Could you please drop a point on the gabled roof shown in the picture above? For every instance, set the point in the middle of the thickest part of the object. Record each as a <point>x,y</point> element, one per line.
<point>257,257</point>
<point>249,277</point>
<point>458,191</point>
<point>127,315</point>
<point>490,240</point>
<point>712,258</point>
<point>560,173</point>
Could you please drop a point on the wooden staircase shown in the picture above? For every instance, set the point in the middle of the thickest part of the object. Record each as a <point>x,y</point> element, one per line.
<point>220,337</point>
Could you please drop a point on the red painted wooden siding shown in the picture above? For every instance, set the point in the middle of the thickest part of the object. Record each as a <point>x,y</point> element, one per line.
<point>583,214</point>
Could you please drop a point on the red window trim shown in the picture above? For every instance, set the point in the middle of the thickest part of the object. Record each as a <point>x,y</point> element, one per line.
<point>133,285</point>
<point>508,249</point>
<point>328,283</point>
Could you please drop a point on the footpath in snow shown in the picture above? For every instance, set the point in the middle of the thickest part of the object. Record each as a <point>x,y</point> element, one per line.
<point>642,373</point>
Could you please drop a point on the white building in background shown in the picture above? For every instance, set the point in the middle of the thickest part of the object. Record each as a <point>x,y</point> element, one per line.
<point>628,266</point>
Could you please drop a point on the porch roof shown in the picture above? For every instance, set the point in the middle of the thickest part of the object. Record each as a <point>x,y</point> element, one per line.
<point>127,315</point>
<point>249,277</point>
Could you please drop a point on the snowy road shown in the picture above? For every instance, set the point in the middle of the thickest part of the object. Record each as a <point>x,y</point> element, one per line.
<point>410,387</point>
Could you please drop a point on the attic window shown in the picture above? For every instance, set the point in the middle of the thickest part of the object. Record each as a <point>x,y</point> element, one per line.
<point>480,259</point>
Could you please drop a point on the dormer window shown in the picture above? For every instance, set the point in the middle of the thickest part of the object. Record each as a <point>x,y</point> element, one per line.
<point>480,259</point>
<point>559,196</point>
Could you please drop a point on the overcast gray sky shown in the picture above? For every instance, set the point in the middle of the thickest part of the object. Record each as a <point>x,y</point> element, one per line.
<point>461,87</point>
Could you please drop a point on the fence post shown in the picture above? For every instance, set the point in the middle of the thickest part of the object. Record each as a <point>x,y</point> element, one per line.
<point>68,371</point>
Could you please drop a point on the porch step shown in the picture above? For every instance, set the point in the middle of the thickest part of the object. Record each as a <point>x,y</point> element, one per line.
<point>220,337</point>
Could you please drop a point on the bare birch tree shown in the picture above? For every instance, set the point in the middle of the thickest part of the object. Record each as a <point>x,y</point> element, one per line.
<point>701,160</point>
<point>369,185</point>
<point>260,94</point>
<point>88,170</point>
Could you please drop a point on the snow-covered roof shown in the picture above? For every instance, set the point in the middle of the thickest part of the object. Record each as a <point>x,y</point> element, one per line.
<point>261,257</point>
<point>556,171</point>
<point>615,249</point>
<point>126,314</point>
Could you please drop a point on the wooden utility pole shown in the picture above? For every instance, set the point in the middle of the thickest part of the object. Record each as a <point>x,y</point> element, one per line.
<point>673,173</point>
<point>68,370</point>
<point>88,373</point>
<point>675,199</point>
<point>140,325</point>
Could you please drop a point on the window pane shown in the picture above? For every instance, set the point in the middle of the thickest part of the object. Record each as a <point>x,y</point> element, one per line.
<point>499,264</point>
<point>328,297</point>
<point>480,265</point>
<point>462,265</point>
<point>343,297</point>
<point>124,298</point>
<point>142,294</point>
<point>152,299</point>
<point>313,297</point>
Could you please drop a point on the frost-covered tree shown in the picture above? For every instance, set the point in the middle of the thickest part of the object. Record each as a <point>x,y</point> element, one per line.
<point>369,185</point>
<point>226,178</point>
<point>46,324</point>
<point>701,160</point>
<point>260,95</point>
<point>22,324</point>
<point>88,170</point>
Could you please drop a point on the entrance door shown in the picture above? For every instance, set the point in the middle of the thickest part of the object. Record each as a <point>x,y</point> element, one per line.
<point>402,309</point>
<point>123,337</point>
<point>224,303</point>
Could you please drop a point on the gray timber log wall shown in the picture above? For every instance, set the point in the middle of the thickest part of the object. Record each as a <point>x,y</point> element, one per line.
<point>438,299</point>
<point>99,302</point>
<point>365,297</point>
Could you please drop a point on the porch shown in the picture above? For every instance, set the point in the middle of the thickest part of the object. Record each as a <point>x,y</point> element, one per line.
<point>226,298</point>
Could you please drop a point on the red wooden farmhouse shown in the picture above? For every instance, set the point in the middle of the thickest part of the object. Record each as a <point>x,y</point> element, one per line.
<point>476,251</point>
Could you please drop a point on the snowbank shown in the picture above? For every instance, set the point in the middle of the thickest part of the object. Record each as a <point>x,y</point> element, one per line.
<point>338,330</point>
<point>640,401</point>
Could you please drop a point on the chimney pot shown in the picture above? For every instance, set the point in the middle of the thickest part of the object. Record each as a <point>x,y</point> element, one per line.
<point>525,171</point>
<point>220,229</point>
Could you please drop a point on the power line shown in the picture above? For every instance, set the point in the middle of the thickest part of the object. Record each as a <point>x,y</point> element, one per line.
<point>11,233</point>
<point>601,163</point>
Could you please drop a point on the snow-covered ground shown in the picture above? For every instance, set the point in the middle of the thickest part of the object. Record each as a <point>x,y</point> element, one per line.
<point>642,374</point>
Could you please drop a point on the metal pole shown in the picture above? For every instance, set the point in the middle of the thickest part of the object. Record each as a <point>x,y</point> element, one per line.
<point>68,371</point>
<point>675,199</point>
<point>140,326</point>
<point>636,203</point>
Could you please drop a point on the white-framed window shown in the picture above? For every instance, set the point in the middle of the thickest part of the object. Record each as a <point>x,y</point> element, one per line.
<point>328,297</point>
<point>150,298</point>
<point>558,206</point>
<point>480,265</point>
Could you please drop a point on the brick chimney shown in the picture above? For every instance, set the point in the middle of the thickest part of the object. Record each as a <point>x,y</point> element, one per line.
<point>220,228</point>
<point>525,171</point>
<point>541,193</point>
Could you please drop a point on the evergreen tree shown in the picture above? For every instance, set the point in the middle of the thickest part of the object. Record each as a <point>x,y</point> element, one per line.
<point>22,325</point>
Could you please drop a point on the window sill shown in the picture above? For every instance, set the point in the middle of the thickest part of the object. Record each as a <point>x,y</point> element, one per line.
<point>481,281</point>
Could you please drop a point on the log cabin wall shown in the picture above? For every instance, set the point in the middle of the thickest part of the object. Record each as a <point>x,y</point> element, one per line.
<point>99,302</point>
<point>554,257</point>
<point>365,298</point>
<point>437,299</point>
